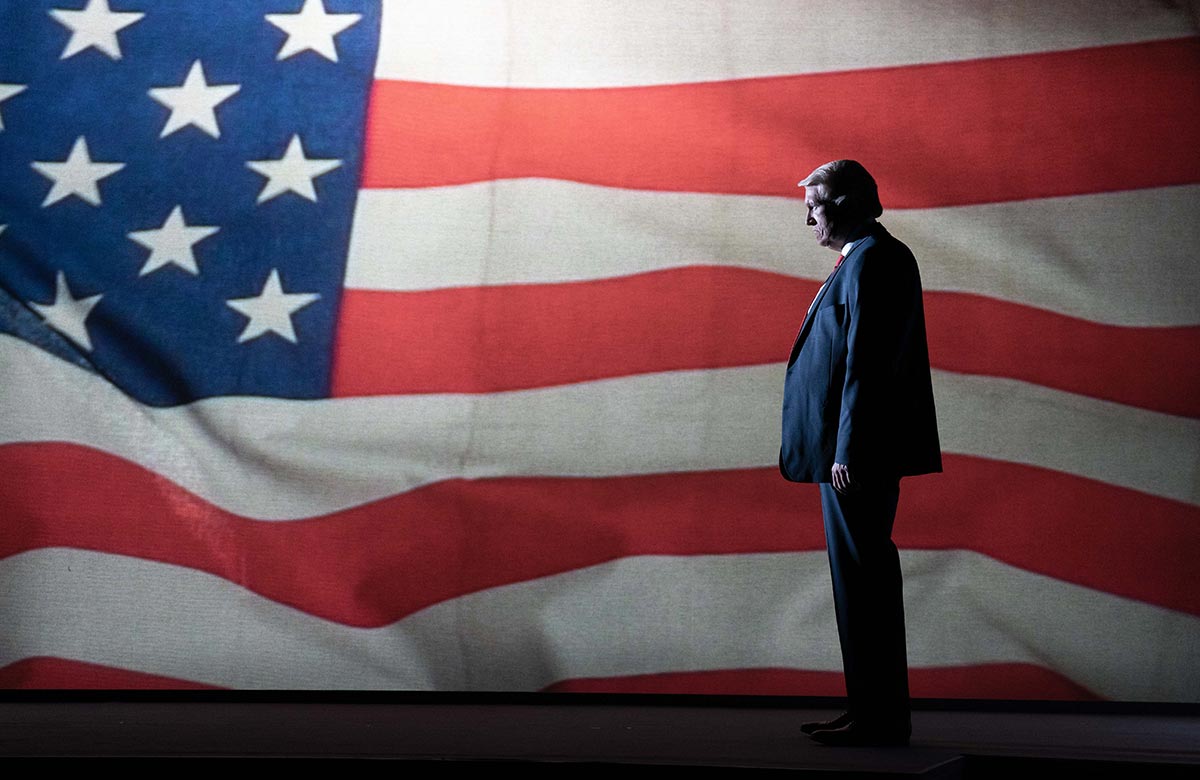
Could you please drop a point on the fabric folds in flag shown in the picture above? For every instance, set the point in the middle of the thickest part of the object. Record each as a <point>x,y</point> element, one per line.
<point>416,345</point>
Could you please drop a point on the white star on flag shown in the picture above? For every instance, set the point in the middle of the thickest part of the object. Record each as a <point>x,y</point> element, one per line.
<point>7,91</point>
<point>311,28</point>
<point>68,314</point>
<point>271,310</point>
<point>172,243</point>
<point>94,26</point>
<point>291,173</point>
<point>76,175</point>
<point>194,102</point>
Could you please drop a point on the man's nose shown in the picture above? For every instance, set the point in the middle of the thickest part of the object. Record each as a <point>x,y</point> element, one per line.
<point>809,220</point>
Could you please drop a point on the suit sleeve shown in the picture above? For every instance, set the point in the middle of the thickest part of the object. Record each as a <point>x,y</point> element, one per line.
<point>878,323</point>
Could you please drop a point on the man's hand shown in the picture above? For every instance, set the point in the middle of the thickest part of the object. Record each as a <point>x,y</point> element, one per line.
<point>841,478</point>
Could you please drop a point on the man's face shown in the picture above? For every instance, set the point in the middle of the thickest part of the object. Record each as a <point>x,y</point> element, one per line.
<point>824,228</point>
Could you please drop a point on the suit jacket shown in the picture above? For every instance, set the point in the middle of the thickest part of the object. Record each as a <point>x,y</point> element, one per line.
<point>858,389</point>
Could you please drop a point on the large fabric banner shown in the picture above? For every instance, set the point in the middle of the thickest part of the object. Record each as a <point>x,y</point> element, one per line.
<point>439,344</point>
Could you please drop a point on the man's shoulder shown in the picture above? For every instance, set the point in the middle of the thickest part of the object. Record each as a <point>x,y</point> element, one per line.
<point>880,240</point>
<point>883,260</point>
<point>882,246</point>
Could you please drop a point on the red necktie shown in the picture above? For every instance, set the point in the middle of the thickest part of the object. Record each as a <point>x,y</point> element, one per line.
<point>818,295</point>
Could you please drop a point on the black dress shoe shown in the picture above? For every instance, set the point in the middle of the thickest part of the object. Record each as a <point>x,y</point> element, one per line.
<point>825,725</point>
<point>858,734</point>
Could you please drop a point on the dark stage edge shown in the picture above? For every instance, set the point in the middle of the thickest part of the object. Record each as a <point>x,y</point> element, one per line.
<point>438,737</point>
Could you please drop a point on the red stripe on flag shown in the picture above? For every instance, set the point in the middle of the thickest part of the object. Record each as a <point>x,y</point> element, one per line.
<point>507,337</point>
<point>976,131</point>
<point>64,495</point>
<point>48,672</point>
<point>982,681</point>
<point>974,334</point>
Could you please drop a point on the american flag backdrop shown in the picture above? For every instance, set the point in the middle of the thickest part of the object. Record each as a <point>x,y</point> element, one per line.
<point>439,344</point>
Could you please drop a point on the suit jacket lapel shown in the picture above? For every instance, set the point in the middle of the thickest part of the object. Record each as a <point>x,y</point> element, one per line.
<point>812,310</point>
<point>816,304</point>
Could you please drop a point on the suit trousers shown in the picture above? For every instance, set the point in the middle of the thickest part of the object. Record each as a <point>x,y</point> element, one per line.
<point>869,599</point>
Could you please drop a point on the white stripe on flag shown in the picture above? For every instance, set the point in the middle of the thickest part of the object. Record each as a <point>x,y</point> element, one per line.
<point>1069,255</point>
<point>606,43</point>
<point>632,616</point>
<point>312,457</point>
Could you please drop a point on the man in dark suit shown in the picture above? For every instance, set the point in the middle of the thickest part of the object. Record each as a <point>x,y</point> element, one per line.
<point>857,416</point>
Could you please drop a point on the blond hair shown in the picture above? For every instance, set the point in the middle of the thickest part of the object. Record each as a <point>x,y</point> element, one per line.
<point>850,187</point>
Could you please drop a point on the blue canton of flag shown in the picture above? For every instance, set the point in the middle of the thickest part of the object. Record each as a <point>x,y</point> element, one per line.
<point>177,185</point>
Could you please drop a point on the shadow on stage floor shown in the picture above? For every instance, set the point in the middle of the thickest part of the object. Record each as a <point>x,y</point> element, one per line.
<point>631,734</point>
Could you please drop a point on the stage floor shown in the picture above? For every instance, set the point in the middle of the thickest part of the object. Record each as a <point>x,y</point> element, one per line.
<point>659,736</point>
